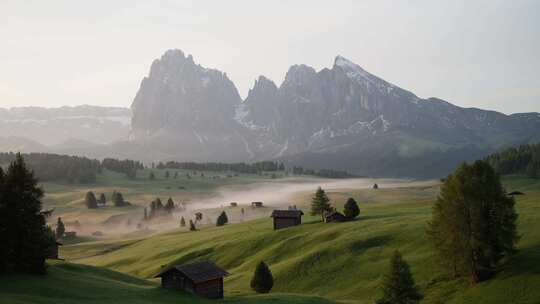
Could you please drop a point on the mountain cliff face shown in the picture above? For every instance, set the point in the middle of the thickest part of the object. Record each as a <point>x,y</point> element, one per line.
<point>187,111</point>
<point>342,118</point>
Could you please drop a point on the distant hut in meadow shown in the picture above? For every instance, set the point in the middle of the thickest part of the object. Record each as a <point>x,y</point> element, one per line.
<point>52,251</point>
<point>286,218</point>
<point>334,216</point>
<point>70,234</point>
<point>256,204</point>
<point>204,279</point>
<point>234,204</point>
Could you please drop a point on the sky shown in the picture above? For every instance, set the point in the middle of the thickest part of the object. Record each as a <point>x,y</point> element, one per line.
<point>483,54</point>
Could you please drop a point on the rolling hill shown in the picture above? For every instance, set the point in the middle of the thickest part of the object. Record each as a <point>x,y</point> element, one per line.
<point>341,262</point>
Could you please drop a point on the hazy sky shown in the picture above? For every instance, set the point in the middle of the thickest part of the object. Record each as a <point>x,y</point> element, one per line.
<point>472,53</point>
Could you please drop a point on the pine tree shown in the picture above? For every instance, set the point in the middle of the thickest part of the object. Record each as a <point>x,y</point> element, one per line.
<point>90,200</point>
<point>169,207</point>
<point>222,219</point>
<point>192,226</point>
<point>102,199</point>
<point>60,228</point>
<point>320,203</point>
<point>262,281</point>
<point>118,199</point>
<point>145,217</point>
<point>398,285</point>
<point>351,210</point>
<point>473,224</point>
<point>167,174</point>
<point>23,234</point>
<point>182,222</point>
<point>152,176</point>
<point>176,175</point>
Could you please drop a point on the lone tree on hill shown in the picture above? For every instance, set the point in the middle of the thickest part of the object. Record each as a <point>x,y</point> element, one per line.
<point>118,199</point>
<point>24,235</point>
<point>90,200</point>
<point>60,228</point>
<point>102,199</point>
<point>222,219</point>
<point>473,224</point>
<point>182,222</point>
<point>320,203</point>
<point>169,207</point>
<point>262,281</point>
<point>351,210</point>
<point>398,285</point>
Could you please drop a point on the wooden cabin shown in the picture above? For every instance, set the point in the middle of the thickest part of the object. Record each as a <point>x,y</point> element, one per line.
<point>203,279</point>
<point>334,216</point>
<point>52,251</point>
<point>256,204</point>
<point>70,234</point>
<point>286,218</point>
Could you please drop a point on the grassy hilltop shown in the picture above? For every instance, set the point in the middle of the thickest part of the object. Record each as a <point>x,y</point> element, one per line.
<point>341,262</point>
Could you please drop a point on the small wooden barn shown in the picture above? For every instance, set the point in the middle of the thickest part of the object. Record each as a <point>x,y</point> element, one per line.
<point>52,251</point>
<point>204,279</point>
<point>286,218</point>
<point>257,204</point>
<point>334,216</point>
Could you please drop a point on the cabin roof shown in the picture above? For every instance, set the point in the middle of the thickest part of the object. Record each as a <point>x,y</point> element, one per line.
<point>287,213</point>
<point>198,272</point>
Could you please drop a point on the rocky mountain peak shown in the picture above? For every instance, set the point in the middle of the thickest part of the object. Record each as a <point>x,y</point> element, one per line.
<point>298,75</point>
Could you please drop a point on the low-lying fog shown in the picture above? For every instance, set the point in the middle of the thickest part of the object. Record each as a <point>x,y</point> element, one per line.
<point>274,194</point>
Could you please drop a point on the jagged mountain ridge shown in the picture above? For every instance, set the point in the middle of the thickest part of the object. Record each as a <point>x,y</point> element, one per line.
<point>49,128</point>
<point>341,117</point>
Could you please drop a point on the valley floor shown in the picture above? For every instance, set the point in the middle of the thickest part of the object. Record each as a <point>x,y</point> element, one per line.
<point>338,262</point>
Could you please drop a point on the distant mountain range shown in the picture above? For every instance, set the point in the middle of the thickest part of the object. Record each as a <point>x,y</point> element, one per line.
<point>341,117</point>
<point>35,129</point>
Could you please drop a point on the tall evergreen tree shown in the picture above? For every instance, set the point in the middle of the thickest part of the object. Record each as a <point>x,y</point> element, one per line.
<point>60,228</point>
<point>167,174</point>
<point>90,200</point>
<point>398,285</point>
<point>182,222</point>
<point>23,232</point>
<point>169,207</point>
<point>152,176</point>
<point>102,199</point>
<point>351,210</point>
<point>192,226</point>
<point>320,203</point>
<point>262,280</point>
<point>473,224</point>
<point>118,199</point>
<point>222,219</point>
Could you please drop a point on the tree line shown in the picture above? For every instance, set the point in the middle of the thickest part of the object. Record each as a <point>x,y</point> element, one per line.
<point>127,166</point>
<point>521,160</point>
<point>54,167</point>
<point>270,166</point>
<point>329,173</point>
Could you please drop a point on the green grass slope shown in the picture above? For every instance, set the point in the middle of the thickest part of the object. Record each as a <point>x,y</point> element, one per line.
<point>73,283</point>
<point>341,261</point>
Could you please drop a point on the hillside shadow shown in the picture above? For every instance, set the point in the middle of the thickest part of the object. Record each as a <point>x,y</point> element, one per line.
<point>525,262</point>
<point>364,245</point>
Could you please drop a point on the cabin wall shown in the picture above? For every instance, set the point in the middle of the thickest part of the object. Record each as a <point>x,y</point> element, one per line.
<point>171,280</point>
<point>212,289</point>
<point>280,223</point>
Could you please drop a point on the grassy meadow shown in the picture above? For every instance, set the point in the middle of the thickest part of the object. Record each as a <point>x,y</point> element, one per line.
<point>335,262</point>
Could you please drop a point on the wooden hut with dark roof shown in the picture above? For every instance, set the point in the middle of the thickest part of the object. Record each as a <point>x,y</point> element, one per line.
<point>204,279</point>
<point>286,218</point>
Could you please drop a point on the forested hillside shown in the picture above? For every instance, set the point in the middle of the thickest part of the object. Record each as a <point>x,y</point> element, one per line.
<point>522,160</point>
